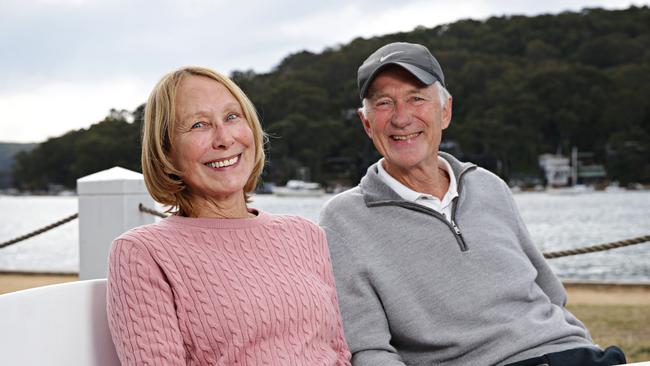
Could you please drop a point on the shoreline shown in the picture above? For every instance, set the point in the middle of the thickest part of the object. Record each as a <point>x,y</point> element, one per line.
<point>579,292</point>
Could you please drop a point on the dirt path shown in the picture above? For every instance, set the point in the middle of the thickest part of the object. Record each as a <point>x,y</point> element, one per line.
<point>608,294</point>
<point>10,282</point>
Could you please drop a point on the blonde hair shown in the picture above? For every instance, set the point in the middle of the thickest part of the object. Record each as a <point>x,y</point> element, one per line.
<point>162,178</point>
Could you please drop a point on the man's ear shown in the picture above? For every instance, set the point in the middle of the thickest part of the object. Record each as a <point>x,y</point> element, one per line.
<point>365,122</point>
<point>446,113</point>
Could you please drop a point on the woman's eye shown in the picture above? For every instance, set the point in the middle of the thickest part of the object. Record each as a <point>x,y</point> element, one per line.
<point>198,125</point>
<point>231,116</point>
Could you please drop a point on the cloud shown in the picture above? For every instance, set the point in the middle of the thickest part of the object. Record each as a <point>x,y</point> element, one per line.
<point>53,109</point>
<point>81,51</point>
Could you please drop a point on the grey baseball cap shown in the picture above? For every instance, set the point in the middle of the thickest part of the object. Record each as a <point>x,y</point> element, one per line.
<point>414,58</point>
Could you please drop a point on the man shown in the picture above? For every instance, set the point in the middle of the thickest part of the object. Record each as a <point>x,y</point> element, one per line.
<point>433,264</point>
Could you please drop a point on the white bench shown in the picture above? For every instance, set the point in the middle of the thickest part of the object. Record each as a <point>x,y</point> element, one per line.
<point>62,324</point>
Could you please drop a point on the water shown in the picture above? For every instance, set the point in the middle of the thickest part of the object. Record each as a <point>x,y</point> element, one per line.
<point>556,222</point>
<point>53,251</point>
<point>567,222</point>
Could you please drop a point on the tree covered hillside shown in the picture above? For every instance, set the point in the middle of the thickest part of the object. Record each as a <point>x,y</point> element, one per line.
<point>522,86</point>
<point>8,152</point>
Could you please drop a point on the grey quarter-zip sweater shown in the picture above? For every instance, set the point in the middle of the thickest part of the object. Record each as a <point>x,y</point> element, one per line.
<point>416,289</point>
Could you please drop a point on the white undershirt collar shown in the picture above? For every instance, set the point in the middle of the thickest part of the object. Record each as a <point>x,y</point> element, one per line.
<point>442,206</point>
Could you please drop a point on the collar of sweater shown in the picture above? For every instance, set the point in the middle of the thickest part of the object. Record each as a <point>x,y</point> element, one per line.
<point>262,218</point>
<point>375,191</point>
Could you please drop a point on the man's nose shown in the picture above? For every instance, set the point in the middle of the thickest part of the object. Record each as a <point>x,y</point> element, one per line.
<point>401,115</point>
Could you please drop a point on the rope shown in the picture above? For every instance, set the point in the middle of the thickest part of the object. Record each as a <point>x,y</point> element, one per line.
<point>548,255</point>
<point>39,231</point>
<point>597,248</point>
<point>151,211</point>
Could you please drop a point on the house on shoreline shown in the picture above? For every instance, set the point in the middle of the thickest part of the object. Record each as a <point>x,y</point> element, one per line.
<point>581,168</point>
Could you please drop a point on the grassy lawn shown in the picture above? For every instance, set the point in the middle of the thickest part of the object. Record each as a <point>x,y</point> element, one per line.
<point>625,326</point>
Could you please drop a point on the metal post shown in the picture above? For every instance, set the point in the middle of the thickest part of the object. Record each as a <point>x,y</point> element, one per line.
<point>108,206</point>
<point>574,166</point>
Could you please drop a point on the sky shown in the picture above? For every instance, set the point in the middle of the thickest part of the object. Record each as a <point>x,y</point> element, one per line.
<point>65,63</point>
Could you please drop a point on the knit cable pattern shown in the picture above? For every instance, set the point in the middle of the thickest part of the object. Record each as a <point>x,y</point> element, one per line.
<point>210,292</point>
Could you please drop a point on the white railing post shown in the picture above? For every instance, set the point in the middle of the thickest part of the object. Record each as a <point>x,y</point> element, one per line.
<point>108,206</point>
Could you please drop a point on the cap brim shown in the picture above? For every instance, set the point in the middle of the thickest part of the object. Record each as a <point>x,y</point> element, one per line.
<point>424,77</point>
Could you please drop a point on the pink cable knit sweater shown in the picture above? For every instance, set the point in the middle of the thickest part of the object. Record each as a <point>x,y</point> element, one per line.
<point>256,291</point>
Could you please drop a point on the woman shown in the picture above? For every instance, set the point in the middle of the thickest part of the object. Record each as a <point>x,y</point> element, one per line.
<point>217,282</point>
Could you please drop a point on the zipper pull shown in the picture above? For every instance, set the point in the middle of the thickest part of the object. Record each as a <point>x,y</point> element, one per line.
<point>459,236</point>
<point>456,229</point>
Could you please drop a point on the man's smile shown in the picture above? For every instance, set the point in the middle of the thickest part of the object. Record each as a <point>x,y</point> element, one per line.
<point>405,137</point>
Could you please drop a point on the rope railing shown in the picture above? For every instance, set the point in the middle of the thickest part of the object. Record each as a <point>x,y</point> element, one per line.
<point>55,224</point>
<point>548,255</point>
<point>598,247</point>
<point>39,231</point>
<point>151,211</point>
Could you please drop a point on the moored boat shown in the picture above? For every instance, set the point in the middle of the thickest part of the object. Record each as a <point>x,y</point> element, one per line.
<point>299,188</point>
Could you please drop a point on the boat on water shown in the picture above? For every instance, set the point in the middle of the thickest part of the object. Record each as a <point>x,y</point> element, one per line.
<point>570,190</point>
<point>299,188</point>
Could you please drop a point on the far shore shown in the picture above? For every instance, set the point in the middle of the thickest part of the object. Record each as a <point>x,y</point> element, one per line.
<point>579,293</point>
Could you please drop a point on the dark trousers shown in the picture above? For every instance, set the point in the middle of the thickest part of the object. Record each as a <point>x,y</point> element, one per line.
<point>577,357</point>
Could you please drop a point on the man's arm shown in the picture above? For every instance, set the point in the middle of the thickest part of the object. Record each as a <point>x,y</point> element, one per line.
<point>546,278</point>
<point>140,307</point>
<point>364,320</point>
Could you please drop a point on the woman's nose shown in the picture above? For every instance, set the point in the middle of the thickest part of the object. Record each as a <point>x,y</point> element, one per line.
<point>222,137</point>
